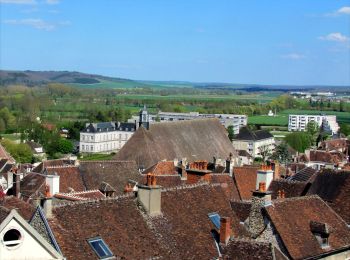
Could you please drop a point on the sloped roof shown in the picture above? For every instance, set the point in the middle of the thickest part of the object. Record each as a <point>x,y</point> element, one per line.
<point>161,168</point>
<point>245,179</point>
<point>25,209</point>
<point>241,209</point>
<point>335,144</point>
<point>118,222</point>
<point>290,188</point>
<point>33,184</point>
<point>304,174</point>
<point>81,195</point>
<point>334,188</point>
<point>327,157</point>
<point>70,178</point>
<point>52,163</point>
<point>199,139</point>
<point>5,155</point>
<point>292,217</point>
<point>247,134</point>
<point>115,173</point>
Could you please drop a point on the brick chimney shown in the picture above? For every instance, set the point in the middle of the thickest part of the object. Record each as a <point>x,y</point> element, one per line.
<point>149,196</point>
<point>264,174</point>
<point>276,169</point>
<point>225,230</point>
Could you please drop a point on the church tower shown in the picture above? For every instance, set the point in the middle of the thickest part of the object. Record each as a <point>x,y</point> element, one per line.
<point>144,118</point>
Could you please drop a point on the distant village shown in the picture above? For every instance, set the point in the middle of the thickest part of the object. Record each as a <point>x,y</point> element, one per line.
<point>182,186</point>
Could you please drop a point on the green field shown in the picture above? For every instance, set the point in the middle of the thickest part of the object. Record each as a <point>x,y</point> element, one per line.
<point>97,157</point>
<point>282,118</point>
<point>279,120</point>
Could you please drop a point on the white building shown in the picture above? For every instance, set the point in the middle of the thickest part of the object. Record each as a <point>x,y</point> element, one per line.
<point>257,143</point>
<point>105,137</point>
<point>237,121</point>
<point>299,122</point>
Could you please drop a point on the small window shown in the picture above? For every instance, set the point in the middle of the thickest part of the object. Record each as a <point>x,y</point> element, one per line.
<point>100,248</point>
<point>215,219</point>
<point>12,238</point>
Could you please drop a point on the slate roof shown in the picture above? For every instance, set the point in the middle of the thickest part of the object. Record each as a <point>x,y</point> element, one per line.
<point>292,217</point>
<point>246,134</point>
<point>25,209</point>
<point>334,188</point>
<point>199,139</point>
<point>99,127</point>
<point>70,178</point>
<point>115,173</point>
<point>303,175</point>
<point>245,179</point>
<point>290,188</point>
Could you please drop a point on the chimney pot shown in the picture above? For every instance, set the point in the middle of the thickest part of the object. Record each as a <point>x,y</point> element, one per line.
<point>225,230</point>
<point>262,186</point>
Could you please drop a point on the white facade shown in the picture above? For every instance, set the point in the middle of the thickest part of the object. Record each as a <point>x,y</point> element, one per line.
<point>103,142</point>
<point>27,243</point>
<point>254,147</point>
<point>299,122</point>
<point>237,121</point>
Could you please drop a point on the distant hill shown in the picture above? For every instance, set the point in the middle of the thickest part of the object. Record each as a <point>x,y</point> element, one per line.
<point>32,78</point>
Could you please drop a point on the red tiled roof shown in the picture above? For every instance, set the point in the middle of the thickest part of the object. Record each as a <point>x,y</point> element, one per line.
<point>70,178</point>
<point>290,188</point>
<point>25,209</point>
<point>292,217</point>
<point>162,168</point>
<point>245,178</point>
<point>33,184</point>
<point>334,188</point>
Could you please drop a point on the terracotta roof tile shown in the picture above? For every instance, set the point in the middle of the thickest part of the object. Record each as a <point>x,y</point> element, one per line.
<point>25,209</point>
<point>70,178</point>
<point>82,195</point>
<point>292,217</point>
<point>245,179</point>
<point>290,188</point>
<point>162,168</point>
<point>334,188</point>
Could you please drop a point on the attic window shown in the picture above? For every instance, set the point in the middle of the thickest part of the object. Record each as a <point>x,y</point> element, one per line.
<point>12,238</point>
<point>215,219</point>
<point>100,247</point>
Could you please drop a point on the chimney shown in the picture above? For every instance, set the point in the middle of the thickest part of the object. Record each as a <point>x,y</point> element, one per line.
<point>264,174</point>
<point>47,202</point>
<point>53,181</point>
<point>149,196</point>
<point>9,179</point>
<point>16,183</point>
<point>225,230</point>
<point>276,169</point>
<point>183,173</point>
<point>261,198</point>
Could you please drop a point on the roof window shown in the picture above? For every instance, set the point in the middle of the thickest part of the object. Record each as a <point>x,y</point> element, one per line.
<point>100,247</point>
<point>321,231</point>
<point>215,219</point>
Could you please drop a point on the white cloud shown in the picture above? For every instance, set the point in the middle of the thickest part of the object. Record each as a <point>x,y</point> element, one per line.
<point>344,10</point>
<point>335,37</point>
<point>52,2</point>
<point>35,23</point>
<point>293,56</point>
<point>20,2</point>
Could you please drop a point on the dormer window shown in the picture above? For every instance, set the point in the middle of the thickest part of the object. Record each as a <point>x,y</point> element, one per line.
<point>321,231</point>
<point>100,247</point>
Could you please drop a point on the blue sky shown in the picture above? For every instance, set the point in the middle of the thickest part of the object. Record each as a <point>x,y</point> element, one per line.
<point>299,42</point>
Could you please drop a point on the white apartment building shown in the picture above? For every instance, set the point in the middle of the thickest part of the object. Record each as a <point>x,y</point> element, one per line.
<point>299,122</point>
<point>237,121</point>
<point>105,137</point>
<point>254,142</point>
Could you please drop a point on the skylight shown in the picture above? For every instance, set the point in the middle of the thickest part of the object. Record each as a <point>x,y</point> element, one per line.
<point>100,247</point>
<point>215,219</point>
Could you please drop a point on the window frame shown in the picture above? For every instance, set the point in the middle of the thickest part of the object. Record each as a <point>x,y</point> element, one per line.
<point>109,254</point>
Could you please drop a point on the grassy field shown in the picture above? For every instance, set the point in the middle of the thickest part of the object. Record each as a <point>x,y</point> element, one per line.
<point>116,84</point>
<point>12,137</point>
<point>96,157</point>
<point>279,120</point>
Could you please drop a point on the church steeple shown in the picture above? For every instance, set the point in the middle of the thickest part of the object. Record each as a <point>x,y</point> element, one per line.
<point>144,118</point>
